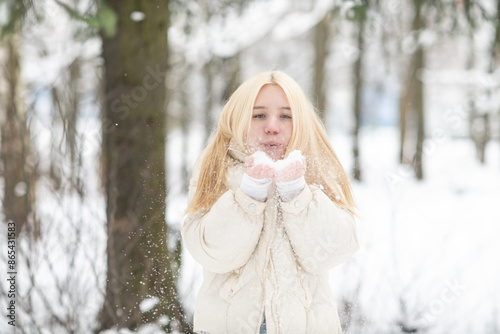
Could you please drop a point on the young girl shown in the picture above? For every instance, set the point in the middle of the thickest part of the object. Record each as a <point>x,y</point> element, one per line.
<point>267,231</point>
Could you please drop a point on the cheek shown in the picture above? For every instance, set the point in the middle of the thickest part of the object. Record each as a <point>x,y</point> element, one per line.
<point>289,132</point>
<point>253,135</point>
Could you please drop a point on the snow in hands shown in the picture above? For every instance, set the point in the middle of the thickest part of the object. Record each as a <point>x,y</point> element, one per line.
<point>261,158</point>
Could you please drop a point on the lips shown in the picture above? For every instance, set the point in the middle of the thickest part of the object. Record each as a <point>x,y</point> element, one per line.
<point>271,144</point>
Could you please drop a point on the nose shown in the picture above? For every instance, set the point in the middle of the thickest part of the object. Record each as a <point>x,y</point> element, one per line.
<point>272,126</point>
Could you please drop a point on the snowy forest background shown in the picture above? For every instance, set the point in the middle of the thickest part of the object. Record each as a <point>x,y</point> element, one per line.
<point>102,117</point>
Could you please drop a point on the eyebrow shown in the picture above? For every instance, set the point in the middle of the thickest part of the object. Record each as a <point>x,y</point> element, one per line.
<point>263,107</point>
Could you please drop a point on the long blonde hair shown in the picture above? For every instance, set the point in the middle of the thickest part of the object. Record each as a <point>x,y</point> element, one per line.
<point>308,135</point>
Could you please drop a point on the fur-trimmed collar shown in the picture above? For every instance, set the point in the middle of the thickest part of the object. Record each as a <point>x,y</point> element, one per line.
<point>237,152</point>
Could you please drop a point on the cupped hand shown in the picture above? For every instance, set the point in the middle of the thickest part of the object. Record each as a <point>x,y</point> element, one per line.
<point>293,171</point>
<point>258,171</point>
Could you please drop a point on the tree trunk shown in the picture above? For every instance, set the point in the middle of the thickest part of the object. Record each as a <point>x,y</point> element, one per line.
<point>185,119</point>
<point>134,133</point>
<point>494,61</point>
<point>358,100</point>
<point>495,54</point>
<point>419,114</point>
<point>321,51</point>
<point>472,100</point>
<point>479,130</point>
<point>71,117</point>
<point>17,173</point>
<point>411,106</point>
<point>497,47</point>
<point>208,76</point>
<point>231,69</point>
<point>404,105</point>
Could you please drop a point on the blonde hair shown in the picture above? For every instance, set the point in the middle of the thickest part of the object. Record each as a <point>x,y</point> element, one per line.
<point>308,135</point>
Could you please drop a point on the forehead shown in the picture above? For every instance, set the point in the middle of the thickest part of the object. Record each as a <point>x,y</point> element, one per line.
<point>269,93</point>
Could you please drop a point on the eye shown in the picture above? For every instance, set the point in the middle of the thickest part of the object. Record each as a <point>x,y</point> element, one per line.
<point>259,116</point>
<point>286,116</point>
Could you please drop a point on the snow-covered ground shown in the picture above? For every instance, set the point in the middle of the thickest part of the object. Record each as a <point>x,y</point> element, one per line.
<point>429,254</point>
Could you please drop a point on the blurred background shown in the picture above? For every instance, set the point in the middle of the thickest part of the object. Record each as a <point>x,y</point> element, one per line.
<point>105,106</point>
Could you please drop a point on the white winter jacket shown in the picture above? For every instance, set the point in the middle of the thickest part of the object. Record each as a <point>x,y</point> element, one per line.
<point>267,259</point>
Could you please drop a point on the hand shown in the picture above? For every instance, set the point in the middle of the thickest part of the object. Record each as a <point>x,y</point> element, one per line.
<point>258,171</point>
<point>293,171</point>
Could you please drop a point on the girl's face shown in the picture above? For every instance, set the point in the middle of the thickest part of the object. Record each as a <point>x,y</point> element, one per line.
<point>271,126</point>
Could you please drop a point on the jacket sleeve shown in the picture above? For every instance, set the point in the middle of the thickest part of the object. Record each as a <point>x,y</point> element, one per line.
<point>224,238</point>
<point>321,233</point>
